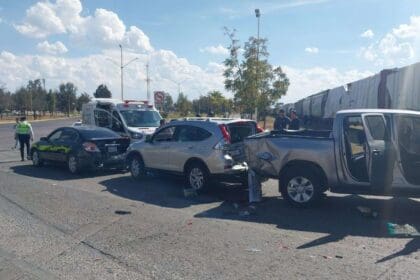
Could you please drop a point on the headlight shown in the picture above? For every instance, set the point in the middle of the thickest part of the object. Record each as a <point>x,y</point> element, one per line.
<point>136,135</point>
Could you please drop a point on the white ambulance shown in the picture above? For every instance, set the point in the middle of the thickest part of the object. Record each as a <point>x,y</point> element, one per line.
<point>131,118</point>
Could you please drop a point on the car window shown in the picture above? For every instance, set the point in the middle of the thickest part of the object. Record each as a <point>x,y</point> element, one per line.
<point>97,132</point>
<point>409,134</point>
<point>55,136</point>
<point>376,126</point>
<point>191,134</point>
<point>102,118</point>
<point>116,122</point>
<point>354,135</point>
<point>69,135</point>
<point>166,134</point>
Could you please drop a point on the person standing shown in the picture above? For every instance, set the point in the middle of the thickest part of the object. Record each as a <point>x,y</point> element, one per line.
<point>14,129</point>
<point>24,134</point>
<point>282,121</point>
<point>295,122</point>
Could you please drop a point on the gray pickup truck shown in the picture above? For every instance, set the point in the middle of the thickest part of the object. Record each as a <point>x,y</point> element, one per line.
<point>369,151</point>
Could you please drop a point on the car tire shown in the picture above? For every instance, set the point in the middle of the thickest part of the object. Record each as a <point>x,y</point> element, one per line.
<point>197,176</point>
<point>301,187</point>
<point>136,167</point>
<point>73,164</point>
<point>36,160</point>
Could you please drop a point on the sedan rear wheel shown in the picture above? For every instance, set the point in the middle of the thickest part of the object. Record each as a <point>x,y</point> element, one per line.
<point>36,161</point>
<point>72,164</point>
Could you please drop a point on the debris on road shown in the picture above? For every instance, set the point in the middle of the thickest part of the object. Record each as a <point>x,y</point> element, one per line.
<point>254,187</point>
<point>253,250</point>
<point>122,212</point>
<point>406,230</point>
<point>367,212</point>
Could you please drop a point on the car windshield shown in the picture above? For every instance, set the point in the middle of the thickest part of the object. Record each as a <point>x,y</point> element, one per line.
<point>89,133</point>
<point>136,118</point>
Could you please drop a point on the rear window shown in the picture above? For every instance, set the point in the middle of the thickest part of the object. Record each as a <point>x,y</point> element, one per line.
<point>240,130</point>
<point>89,133</point>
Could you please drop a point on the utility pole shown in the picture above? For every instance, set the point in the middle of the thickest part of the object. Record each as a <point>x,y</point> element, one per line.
<point>148,82</point>
<point>258,15</point>
<point>122,77</point>
<point>122,66</point>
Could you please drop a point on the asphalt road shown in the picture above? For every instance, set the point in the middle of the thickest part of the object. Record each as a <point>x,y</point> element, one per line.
<point>104,225</point>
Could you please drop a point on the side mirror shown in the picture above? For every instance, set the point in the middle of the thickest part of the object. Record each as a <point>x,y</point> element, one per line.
<point>44,139</point>
<point>148,138</point>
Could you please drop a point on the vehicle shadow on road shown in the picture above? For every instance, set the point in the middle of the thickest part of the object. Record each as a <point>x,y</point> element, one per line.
<point>54,172</point>
<point>337,217</point>
<point>167,191</point>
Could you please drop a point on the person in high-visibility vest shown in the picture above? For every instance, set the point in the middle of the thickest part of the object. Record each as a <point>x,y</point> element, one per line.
<point>24,134</point>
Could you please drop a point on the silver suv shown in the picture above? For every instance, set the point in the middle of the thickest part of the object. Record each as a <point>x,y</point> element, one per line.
<point>200,149</point>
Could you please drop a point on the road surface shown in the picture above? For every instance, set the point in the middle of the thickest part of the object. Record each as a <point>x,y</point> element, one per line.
<point>104,225</point>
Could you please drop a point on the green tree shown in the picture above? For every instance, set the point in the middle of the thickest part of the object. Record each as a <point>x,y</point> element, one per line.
<point>5,101</point>
<point>51,99</point>
<point>214,102</point>
<point>168,104</point>
<point>37,96</point>
<point>66,97</point>
<point>253,80</point>
<point>82,99</point>
<point>21,100</point>
<point>102,92</point>
<point>183,105</point>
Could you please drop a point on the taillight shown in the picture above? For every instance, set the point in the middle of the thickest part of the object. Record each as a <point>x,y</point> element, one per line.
<point>90,147</point>
<point>259,129</point>
<point>225,133</point>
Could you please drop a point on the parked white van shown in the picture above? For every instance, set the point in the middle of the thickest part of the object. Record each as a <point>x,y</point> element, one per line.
<point>131,118</point>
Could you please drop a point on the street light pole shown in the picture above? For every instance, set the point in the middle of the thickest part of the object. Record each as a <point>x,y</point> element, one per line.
<point>122,77</point>
<point>258,15</point>
<point>122,66</point>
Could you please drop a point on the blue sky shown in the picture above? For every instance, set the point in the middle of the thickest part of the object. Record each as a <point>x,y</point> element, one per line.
<point>318,42</point>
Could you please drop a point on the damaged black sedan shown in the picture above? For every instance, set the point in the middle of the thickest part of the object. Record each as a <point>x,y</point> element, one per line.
<point>81,148</point>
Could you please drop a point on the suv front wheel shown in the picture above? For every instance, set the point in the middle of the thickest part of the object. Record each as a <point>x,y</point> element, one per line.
<point>197,176</point>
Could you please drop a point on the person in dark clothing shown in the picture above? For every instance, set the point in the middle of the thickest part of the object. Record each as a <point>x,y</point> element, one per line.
<point>282,121</point>
<point>24,134</point>
<point>295,122</point>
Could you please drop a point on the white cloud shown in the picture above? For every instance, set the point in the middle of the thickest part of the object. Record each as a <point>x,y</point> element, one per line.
<point>41,20</point>
<point>53,48</point>
<point>312,50</point>
<point>411,30</point>
<point>304,82</point>
<point>397,47</point>
<point>367,34</point>
<point>217,50</point>
<point>90,71</point>
<point>103,29</point>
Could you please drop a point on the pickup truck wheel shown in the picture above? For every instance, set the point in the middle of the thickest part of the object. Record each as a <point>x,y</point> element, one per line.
<point>197,177</point>
<point>136,166</point>
<point>300,187</point>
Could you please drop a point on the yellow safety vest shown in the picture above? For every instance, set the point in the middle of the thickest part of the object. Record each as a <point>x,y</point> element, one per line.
<point>23,128</point>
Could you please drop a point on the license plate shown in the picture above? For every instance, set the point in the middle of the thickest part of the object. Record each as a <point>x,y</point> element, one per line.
<point>112,149</point>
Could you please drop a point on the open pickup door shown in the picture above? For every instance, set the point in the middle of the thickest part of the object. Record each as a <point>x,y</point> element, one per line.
<point>379,150</point>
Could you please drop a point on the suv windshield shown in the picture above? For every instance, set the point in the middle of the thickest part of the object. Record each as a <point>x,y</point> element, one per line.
<point>136,118</point>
